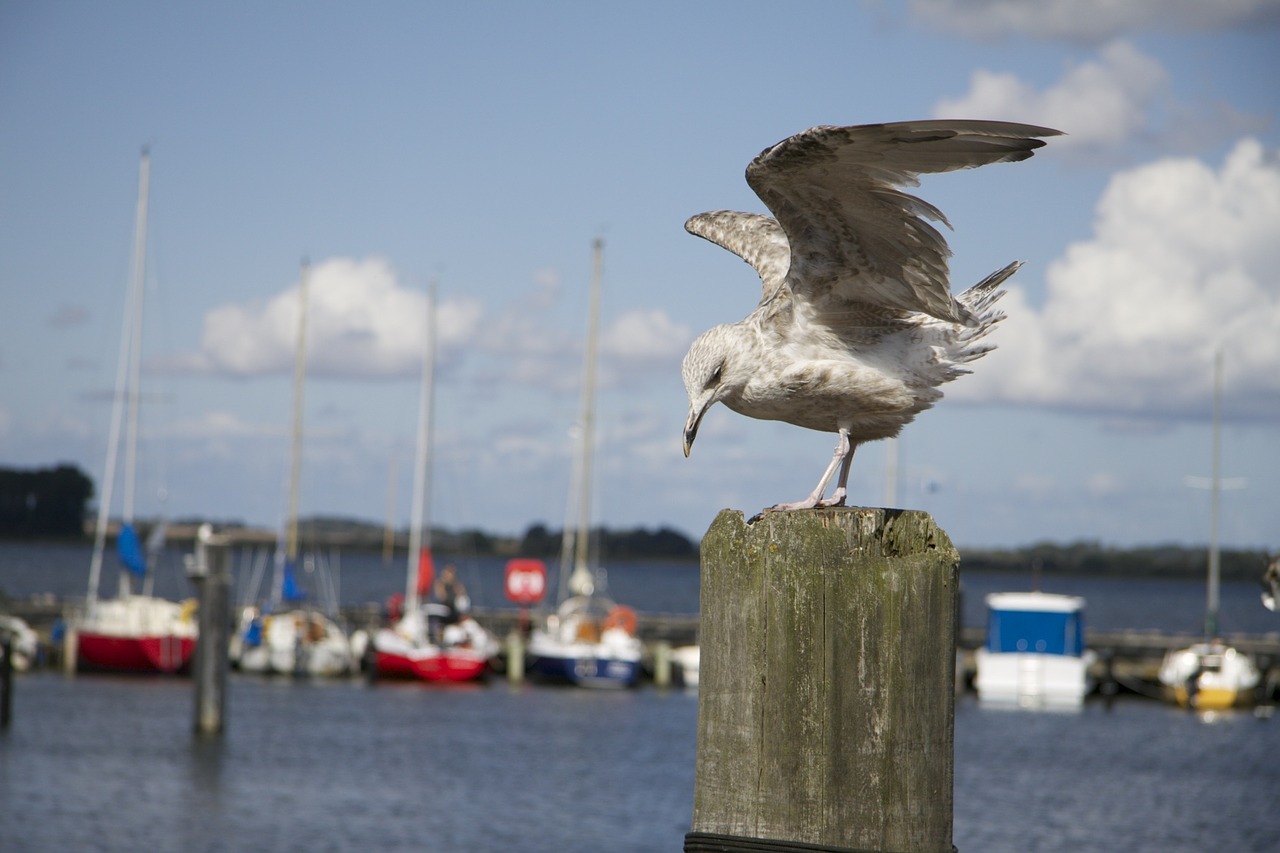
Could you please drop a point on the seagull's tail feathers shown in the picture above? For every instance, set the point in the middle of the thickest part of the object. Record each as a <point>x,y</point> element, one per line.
<point>979,298</point>
<point>979,303</point>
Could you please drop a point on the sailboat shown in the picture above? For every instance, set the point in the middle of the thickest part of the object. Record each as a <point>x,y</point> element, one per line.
<point>1211,675</point>
<point>590,641</point>
<point>429,641</point>
<point>286,636</point>
<point>133,632</point>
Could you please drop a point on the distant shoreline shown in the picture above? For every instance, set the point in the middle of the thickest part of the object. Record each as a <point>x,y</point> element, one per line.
<point>1080,559</point>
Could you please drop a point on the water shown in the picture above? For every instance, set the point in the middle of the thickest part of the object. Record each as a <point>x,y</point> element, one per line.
<point>111,764</point>
<point>1142,776</point>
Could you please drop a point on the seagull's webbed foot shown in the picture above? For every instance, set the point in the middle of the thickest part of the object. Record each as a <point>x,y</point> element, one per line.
<point>842,458</point>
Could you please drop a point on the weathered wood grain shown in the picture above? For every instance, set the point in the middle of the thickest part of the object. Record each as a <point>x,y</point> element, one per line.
<point>826,695</point>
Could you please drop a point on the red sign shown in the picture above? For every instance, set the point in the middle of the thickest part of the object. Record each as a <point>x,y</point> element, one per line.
<point>526,581</point>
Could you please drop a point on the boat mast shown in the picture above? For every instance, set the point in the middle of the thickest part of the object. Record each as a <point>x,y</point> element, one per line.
<point>419,512</point>
<point>1215,495</point>
<point>295,443</point>
<point>582,582</point>
<point>136,288</point>
<point>130,347</point>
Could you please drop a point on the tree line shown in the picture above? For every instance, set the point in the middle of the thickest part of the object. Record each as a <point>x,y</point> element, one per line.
<point>53,502</point>
<point>1094,558</point>
<point>43,502</point>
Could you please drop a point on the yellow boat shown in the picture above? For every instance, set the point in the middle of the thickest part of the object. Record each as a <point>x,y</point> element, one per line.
<point>1209,676</point>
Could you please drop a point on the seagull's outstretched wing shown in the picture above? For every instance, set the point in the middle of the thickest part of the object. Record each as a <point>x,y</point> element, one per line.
<point>853,235</point>
<point>757,239</point>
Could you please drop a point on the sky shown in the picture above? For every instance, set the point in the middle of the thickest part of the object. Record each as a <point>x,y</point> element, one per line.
<point>485,146</point>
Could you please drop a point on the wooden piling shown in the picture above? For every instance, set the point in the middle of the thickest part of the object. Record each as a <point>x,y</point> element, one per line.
<point>826,697</point>
<point>515,658</point>
<point>70,646</point>
<point>209,570</point>
<point>662,663</point>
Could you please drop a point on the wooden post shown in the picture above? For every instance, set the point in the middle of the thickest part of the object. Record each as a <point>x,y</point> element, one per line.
<point>209,571</point>
<point>70,644</point>
<point>515,657</point>
<point>827,691</point>
<point>662,663</point>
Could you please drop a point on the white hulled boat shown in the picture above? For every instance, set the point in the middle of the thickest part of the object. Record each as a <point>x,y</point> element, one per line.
<point>134,631</point>
<point>429,641</point>
<point>590,640</point>
<point>1211,675</point>
<point>24,643</point>
<point>283,635</point>
<point>1034,655</point>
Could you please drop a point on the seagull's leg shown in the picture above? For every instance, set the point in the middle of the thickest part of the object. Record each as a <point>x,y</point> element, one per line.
<point>843,458</point>
<point>842,484</point>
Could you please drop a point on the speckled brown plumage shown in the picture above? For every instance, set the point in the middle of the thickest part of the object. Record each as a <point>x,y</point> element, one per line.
<point>856,326</point>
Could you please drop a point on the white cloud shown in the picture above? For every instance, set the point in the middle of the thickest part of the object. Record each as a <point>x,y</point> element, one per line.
<point>1101,484</point>
<point>1106,103</point>
<point>1182,259</point>
<point>220,425</point>
<point>527,349</point>
<point>1090,20</point>
<point>360,322</point>
<point>645,337</point>
<point>533,353</point>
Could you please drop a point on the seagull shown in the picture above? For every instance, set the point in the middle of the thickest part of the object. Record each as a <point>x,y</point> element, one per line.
<point>856,326</point>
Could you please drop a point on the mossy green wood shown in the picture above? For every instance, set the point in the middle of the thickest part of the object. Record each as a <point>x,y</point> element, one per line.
<point>827,687</point>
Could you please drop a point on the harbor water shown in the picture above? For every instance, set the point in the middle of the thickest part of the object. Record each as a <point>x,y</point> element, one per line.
<point>111,764</point>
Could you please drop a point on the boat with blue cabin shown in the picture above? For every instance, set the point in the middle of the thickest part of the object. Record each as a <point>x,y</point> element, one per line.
<point>1034,655</point>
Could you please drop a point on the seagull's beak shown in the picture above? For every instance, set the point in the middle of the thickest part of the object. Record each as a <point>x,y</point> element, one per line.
<point>691,425</point>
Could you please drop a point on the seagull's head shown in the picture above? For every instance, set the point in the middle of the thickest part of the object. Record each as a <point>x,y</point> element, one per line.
<point>711,372</point>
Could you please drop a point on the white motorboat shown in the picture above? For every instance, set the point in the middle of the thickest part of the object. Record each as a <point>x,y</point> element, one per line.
<point>1034,655</point>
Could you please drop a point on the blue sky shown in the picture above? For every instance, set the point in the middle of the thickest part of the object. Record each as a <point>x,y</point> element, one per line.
<point>486,145</point>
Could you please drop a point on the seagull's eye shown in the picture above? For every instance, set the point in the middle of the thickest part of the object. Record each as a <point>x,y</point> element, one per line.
<point>714,380</point>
